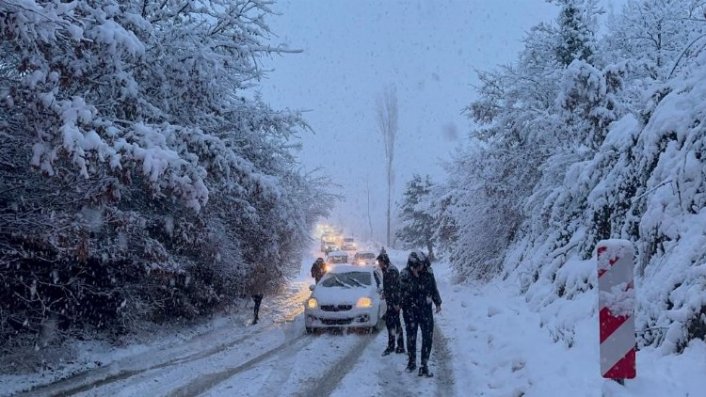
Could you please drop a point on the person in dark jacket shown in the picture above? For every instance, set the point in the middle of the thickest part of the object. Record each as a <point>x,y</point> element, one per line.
<point>257,285</point>
<point>391,292</point>
<point>318,269</point>
<point>418,292</point>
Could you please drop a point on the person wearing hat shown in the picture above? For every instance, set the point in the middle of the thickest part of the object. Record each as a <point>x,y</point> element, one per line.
<point>418,292</point>
<point>391,292</point>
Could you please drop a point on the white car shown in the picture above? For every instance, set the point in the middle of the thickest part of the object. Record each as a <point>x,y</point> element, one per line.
<point>349,244</point>
<point>336,257</point>
<point>364,258</point>
<point>347,296</point>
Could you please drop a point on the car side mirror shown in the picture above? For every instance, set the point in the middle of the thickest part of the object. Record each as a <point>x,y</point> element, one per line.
<point>311,287</point>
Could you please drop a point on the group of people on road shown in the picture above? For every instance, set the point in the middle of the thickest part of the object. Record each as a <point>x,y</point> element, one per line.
<point>412,292</point>
<point>409,293</point>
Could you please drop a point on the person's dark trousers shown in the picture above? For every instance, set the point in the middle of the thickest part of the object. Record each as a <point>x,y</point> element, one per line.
<point>410,325</point>
<point>257,299</point>
<point>426,324</point>
<point>394,328</point>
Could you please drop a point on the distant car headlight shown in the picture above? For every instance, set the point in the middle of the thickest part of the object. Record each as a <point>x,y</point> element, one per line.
<point>364,302</point>
<point>327,267</point>
<point>311,303</point>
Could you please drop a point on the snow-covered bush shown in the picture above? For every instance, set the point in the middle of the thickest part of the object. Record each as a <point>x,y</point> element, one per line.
<point>140,179</point>
<point>617,139</point>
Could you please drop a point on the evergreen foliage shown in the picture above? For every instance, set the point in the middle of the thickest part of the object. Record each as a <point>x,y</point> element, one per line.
<point>417,221</point>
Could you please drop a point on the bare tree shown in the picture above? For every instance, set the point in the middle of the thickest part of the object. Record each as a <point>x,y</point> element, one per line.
<point>370,219</point>
<point>387,125</point>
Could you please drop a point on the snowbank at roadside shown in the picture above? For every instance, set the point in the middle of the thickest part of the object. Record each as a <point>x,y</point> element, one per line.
<point>504,349</point>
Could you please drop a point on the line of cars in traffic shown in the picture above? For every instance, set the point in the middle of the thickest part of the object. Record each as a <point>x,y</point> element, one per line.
<point>361,258</point>
<point>349,295</point>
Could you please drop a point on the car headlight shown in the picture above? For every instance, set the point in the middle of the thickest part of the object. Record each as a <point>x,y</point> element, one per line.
<point>364,302</point>
<point>311,303</point>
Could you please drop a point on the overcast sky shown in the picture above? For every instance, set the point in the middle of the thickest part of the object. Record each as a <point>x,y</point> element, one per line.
<point>429,50</point>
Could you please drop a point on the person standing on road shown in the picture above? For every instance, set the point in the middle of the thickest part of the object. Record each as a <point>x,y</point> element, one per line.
<point>318,269</point>
<point>257,287</point>
<point>427,320</point>
<point>391,292</point>
<point>419,291</point>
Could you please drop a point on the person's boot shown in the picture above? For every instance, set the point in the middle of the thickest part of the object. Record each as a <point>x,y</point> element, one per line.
<point>424,371</point>
<point>400,350</point>
<point>388,351</point>
<point>411,366</point>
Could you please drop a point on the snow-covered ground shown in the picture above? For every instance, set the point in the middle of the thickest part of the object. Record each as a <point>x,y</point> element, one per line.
<point>503,349</point>
<point>486,343</point>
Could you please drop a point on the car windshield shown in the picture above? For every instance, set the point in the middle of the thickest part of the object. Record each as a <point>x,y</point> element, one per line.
<point>366,256</point>
<point>347,279</point>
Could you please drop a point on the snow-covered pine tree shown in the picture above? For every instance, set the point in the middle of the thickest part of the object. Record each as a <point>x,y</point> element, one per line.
<point>416,218</point>
<point>576,30</point>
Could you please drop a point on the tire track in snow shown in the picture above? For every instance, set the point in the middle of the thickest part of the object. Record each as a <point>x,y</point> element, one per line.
<point>443,358</point>
<point>289,307</point>
<point>325,384</point>
<point>112,373</point>
<point>206,382</point>
<point>391,378</point>
<point>394,380</point>
<point>277,378</point>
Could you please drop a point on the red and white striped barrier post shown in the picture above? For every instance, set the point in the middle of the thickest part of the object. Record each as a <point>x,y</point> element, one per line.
<point>616,302</point>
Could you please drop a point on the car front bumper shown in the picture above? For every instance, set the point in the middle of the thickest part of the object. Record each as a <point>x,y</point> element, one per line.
<point>354,317</point>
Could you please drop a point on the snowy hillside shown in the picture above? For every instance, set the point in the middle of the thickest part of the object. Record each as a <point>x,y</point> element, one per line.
<point>608,143</point>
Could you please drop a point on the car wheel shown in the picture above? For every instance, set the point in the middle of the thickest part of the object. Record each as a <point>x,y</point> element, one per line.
<point>309,330</point>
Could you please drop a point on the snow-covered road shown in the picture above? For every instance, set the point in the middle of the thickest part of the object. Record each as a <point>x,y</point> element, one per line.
<point>486,343</point>
<point>189,366</point>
